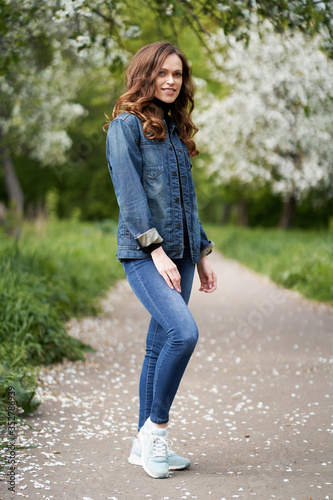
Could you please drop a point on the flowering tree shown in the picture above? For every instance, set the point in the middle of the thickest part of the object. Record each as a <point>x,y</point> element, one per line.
<point>38,115</point>
<point>48,49</point>
<point>239,17</point>
<point>47,52</point>
<point>276,124</point>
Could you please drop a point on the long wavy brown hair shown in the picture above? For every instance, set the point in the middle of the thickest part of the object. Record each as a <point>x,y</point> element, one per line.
<point>141,74</point>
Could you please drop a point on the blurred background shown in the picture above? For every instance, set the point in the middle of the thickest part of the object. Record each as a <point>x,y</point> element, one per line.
<point>264,107</point>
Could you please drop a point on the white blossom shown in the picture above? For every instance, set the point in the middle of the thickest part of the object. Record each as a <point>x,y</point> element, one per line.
<point>169,9</point>
<point>276,124</point>
<point>39,98</point>
<point>131,32</point>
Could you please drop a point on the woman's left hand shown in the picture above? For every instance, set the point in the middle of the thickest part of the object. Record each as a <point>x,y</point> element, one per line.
<point>207,276</point>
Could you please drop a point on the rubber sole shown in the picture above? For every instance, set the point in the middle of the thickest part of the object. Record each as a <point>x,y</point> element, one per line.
<point>135,460</point>
<point>151,474</point>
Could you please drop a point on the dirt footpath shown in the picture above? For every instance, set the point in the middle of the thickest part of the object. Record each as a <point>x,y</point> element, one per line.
<point>253,412</point>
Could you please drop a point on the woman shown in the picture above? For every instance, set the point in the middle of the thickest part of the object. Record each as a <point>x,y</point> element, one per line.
<point>160,236</point>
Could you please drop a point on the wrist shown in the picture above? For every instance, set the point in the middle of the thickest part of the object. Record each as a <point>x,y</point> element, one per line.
<point>157,251</point>
<point>150,249</point>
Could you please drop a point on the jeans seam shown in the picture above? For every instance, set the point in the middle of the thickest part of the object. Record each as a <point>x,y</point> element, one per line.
<point>148,372</point>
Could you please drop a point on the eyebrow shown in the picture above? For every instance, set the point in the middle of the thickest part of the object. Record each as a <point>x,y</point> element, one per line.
<point>164,69</point>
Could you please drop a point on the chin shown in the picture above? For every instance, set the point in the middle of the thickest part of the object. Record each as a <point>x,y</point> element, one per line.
<point>166,98</point>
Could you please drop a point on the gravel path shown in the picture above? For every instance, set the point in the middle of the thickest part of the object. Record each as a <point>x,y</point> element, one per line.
<point>254,411</point>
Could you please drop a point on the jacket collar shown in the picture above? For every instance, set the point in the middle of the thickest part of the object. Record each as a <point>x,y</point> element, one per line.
<point>171,127</point>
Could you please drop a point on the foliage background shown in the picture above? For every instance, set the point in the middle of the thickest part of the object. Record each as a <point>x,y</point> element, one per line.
<point>62,69</point>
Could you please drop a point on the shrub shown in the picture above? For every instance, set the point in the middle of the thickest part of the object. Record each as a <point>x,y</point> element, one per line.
<point>45,278</point>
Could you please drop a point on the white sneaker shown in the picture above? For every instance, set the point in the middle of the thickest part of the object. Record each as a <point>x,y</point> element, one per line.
<point>154,451</point>
<point>175,461</point>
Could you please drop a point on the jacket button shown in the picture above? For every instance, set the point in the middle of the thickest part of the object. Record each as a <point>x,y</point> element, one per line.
<point>174,172</point>
<point>179,225</point>
<point>178,252</point>
<point>177,200</point>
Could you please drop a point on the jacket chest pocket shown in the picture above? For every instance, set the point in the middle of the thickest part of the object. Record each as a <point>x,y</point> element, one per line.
<point>152,160</point>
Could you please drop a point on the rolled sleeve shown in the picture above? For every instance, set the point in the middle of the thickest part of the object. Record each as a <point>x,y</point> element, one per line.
<point>207,250</point>
<point>149,237</point>
<point>206,245</point>
<point>125,166</point>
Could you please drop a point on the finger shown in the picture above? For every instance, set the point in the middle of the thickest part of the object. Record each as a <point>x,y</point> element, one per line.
<point>203,286</point>
<point>212,287</point>
<point>209,286</point>
<point>175,279</point>
<point>168,281</point>
<point>172,277</point>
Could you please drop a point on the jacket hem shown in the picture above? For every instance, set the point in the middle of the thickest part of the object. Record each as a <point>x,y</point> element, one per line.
<point>175,253</point>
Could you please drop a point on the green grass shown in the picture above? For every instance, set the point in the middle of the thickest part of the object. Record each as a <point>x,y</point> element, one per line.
<point>301,260</point>
<point>46,277</point>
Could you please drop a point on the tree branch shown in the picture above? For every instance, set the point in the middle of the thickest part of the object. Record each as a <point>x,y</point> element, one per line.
<point>109,20</point>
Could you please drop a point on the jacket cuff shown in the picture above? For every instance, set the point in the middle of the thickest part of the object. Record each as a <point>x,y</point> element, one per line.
<point>149,237</point>
<point>152,247</point>
<point>207,250</point>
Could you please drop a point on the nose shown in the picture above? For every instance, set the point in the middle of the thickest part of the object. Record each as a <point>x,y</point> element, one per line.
<point>170,79</point>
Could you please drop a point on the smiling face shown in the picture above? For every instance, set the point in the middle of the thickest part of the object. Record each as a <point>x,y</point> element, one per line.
<point>169,79</point>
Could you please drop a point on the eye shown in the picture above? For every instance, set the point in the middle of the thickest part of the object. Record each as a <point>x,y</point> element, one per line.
<point>160,73</point>
<point>178,74</point>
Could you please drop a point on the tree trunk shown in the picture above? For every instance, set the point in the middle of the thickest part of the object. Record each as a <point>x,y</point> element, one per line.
<point>242,213</point>
<point>14,190</point>
<point>288,213</point>
<point>226,213</point>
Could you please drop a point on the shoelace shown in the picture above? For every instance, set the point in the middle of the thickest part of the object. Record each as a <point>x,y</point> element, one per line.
<point>159,445</point>
<point>169,443</point>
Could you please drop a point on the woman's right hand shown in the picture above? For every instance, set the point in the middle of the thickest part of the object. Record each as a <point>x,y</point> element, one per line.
<point>166,268</point>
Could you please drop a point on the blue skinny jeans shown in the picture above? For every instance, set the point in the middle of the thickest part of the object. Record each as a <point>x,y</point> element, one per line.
<point>172,333</point>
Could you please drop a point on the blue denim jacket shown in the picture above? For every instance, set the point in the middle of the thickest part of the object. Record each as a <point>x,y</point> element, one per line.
<point>145,177</point>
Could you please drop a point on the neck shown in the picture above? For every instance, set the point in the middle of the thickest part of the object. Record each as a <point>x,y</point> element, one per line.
<point>164,106</point>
